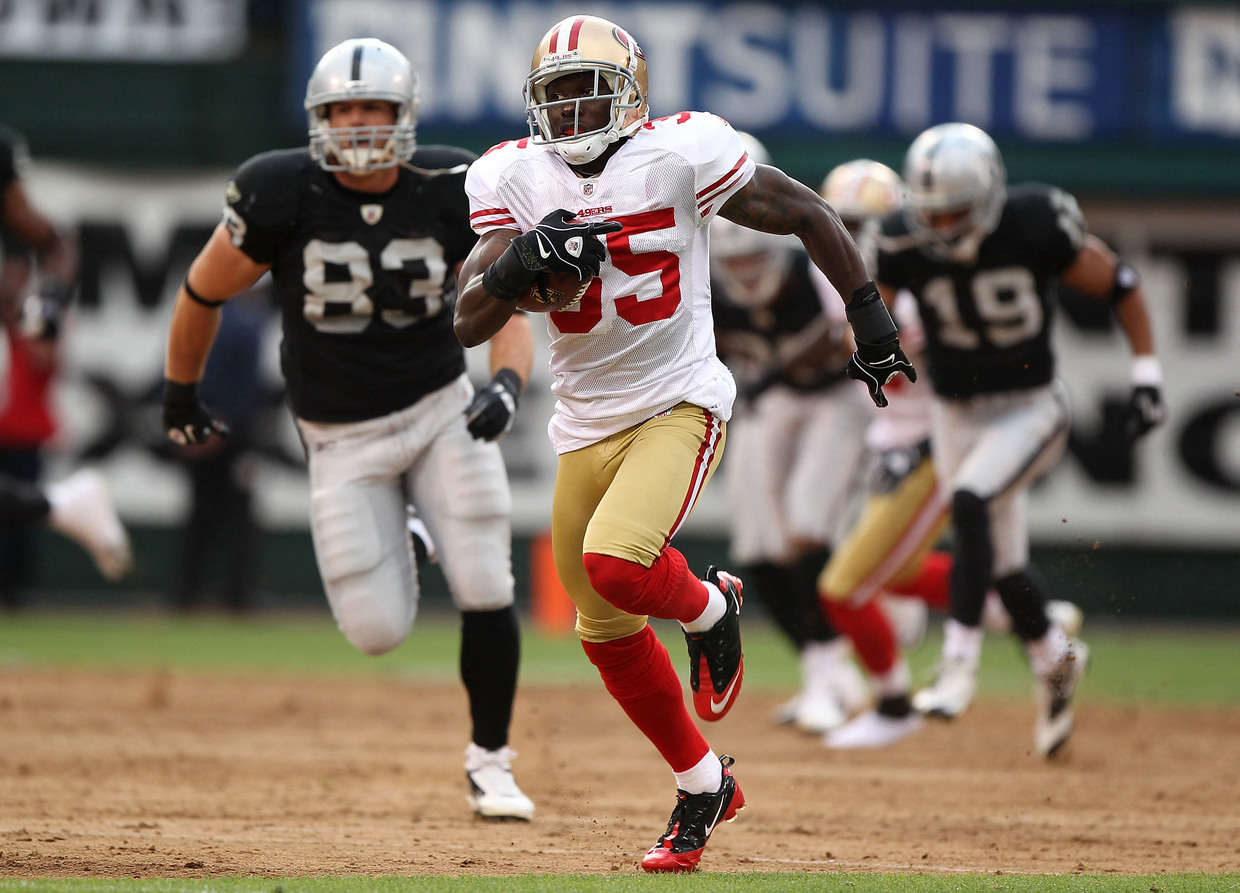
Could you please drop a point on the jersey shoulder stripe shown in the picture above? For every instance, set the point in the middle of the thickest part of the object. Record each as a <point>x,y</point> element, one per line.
<point>492,217</point>
<point>725,183</point>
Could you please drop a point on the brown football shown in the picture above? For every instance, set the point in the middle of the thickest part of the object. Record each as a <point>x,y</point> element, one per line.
<point>553,291</point>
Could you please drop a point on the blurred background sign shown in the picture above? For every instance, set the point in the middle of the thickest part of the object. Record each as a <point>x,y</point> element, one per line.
<point>1057,73</point>
<point>150,30</point>
<point>137,112</point>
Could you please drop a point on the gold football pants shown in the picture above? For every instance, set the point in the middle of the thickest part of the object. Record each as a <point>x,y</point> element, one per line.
<point>626,496</point>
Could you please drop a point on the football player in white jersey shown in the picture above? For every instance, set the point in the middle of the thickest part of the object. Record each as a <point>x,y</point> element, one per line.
<point>642,399</point>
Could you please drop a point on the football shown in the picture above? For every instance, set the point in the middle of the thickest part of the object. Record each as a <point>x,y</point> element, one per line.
<point>553,291</point>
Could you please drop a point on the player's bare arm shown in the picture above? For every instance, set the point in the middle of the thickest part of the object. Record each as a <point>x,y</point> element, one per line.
<point>773,202</point>
<point>220,271</point>
<point>480,314</point>
<point>1098,273</point>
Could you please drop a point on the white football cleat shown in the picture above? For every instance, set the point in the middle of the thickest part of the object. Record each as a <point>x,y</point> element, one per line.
<point>1053,695</point>
<point>82,510</point>
<point>872,730</point>
<point>952,692</point>
<point>493,792</point>
<point>817,710</point>
<point>1067,616</point>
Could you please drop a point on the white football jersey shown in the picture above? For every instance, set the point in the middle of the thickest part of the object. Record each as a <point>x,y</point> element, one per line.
<point>642,339</point>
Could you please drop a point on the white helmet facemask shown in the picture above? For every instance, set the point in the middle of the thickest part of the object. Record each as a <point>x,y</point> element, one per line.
<point>586,44</point>
<point>611,84</point>
<point>353,71</point>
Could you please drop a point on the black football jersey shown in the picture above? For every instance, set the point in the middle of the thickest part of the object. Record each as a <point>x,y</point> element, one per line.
<point>793,309</point>
<point>365,282</point>
<point>988,325</point>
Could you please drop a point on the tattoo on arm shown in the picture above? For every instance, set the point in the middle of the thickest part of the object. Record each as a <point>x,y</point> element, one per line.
<point>774,203</point>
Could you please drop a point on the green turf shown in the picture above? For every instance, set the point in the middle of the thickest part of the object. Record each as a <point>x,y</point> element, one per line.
<point>1171,665</point>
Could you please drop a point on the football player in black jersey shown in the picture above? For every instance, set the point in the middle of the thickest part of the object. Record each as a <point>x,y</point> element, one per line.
<point>984,263</point>
<point>364,234</point>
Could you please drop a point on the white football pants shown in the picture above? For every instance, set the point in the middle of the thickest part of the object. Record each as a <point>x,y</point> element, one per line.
<point>362,477</point>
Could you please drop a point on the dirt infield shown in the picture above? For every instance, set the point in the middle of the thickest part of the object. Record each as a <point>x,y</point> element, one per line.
<point>150,775</point>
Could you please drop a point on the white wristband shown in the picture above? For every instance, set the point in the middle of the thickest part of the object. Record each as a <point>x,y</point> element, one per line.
<point>1146,371</point>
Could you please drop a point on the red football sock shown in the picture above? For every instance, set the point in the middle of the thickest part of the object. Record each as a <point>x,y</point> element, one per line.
<point>870,631</point>
<point>667,589</point>
<point>931,581</point>
<point>638,673</point>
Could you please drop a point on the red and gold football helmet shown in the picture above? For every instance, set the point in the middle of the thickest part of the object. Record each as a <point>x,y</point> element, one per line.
<point>862,189</point>
<point>588,44</point>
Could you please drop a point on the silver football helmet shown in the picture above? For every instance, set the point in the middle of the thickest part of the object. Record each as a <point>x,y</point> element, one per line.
<point>750,265</point>
<point>588,44</point>
<point>956,189</point>
<point>360,69</point>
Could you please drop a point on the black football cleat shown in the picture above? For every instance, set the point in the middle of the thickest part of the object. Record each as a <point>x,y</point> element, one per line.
<point>716,654</point>
<point>693,820</point>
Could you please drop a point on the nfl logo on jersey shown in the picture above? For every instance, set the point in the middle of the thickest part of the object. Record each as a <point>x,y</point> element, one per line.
<point>372,213</point>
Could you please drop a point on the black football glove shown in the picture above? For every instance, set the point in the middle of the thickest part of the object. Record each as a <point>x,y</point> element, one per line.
<point>489,416</point>
<point>1145,411</point>
<point>186,420</point>
<point>878,357</point>
<point>556,243</point>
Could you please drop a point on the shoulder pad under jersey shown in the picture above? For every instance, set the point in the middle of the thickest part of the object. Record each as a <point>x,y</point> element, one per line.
<point>267,189</point>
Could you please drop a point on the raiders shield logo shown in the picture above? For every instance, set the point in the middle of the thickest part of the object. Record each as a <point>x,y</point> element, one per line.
<point>372,213</point>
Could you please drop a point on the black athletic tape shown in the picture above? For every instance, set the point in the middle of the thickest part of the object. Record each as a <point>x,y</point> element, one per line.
<point>197,298</point>
<point>868,315</point>
<point>1126,281</point>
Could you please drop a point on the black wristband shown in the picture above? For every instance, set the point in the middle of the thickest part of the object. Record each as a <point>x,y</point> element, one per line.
<point>1126,281</point>
<point>507,278</point>
<point>178,394</point>
<point>509,381</point>
<point>868,315</point>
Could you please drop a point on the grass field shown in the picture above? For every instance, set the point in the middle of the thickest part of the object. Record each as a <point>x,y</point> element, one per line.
<point>1195,666</point>
<point>1132,664</point>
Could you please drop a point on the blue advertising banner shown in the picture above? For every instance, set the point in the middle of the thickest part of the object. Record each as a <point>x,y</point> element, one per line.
<point>1043,75</point>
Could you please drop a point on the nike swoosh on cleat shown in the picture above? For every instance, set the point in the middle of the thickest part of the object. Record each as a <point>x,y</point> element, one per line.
<point>718,707</point>
<point>710,826</point>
